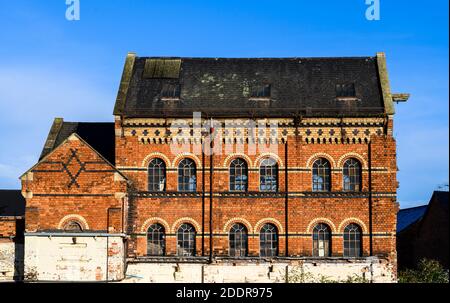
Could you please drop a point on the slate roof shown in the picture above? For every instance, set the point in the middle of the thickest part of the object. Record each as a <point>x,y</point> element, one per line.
<point>12,203</point>
<point>99,135</point>
<point>219,87</point>
<point>408,216</point>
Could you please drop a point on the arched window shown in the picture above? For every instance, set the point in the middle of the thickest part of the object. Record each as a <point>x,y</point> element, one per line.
<point>238,175</point>
<point>321,240</point>
<point>352,241</point>
<point>238,240</point>
<point>156,240</point>
<point>321,175</point>
<point>186,240</point>
<point>187,175</point>
<point>73,227</point>
<point>352,175</point>
<point>157,175</point>
<point>268,175</point>
<point>268,241</point>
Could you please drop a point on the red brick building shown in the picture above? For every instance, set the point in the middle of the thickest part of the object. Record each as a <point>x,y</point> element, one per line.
<point>222,161</point>
<point>12,210</point>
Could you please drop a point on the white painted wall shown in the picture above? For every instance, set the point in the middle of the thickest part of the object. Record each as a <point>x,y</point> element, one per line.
<point>11,261</point>
<point>372,269</point>
<point>77,258</point>
<point>7,257</point>
<point>58,258</point>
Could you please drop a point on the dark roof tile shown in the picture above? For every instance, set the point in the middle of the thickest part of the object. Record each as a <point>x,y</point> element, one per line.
<point>408,216</point>
<point>221,87</point>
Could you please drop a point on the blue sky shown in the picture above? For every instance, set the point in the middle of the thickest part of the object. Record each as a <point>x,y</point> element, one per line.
<point>51,67</point>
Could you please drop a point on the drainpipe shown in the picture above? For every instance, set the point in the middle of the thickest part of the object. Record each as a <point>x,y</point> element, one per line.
<point>124,243</point>
<point>203,201</point>
<point>286,198</point>
<point>211,169</point>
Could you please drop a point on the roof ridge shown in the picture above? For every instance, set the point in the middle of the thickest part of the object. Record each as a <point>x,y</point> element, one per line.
<point>425,205</point>
<point>255,58</point>
<point>88,122</point>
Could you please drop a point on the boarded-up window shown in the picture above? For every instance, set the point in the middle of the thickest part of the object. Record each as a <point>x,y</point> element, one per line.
<point>73,226</point>
<point>162,68</point>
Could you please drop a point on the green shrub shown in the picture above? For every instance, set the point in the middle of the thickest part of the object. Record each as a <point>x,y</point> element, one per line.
<point>428,271</point>
<point>298,275</point>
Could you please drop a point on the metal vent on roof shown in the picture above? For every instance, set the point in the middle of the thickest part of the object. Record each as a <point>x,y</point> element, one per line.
<point>262,91</point>
<point>162,68</point>
<point>345,90</point>
<point>170,91</point>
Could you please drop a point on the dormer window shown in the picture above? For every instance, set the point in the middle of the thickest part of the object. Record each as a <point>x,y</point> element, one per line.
<point>170,91</point>
<point>260,92</point>
<point>346,90</point>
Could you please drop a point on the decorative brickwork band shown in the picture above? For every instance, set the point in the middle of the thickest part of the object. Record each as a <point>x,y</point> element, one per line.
<point>186,155</point>
<point>348,221</point>
<point>153,220</point>
<point>149,157</point>
<point>268,155</point>
<point>347,156</point>
<point>227,226</point>
<point>185,220</point>
<point>261,222</point>
<point>73,217</point>
<point>320,155</point>
<point>320,220</point>
<point>227,161</point>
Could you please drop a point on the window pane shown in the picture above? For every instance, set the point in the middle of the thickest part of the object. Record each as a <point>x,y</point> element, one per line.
<point>268,241</point>
<point>238,240</point>
<point>156,175</point>
<point>187,179</point>
<point>321,175</point>
<point>352,175</point>
<point>352,241</point>
<point>321,240</point>
<point>156,240</point>
<point>186,240</point>
<point>238,175</point>
<point>268,174</point>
